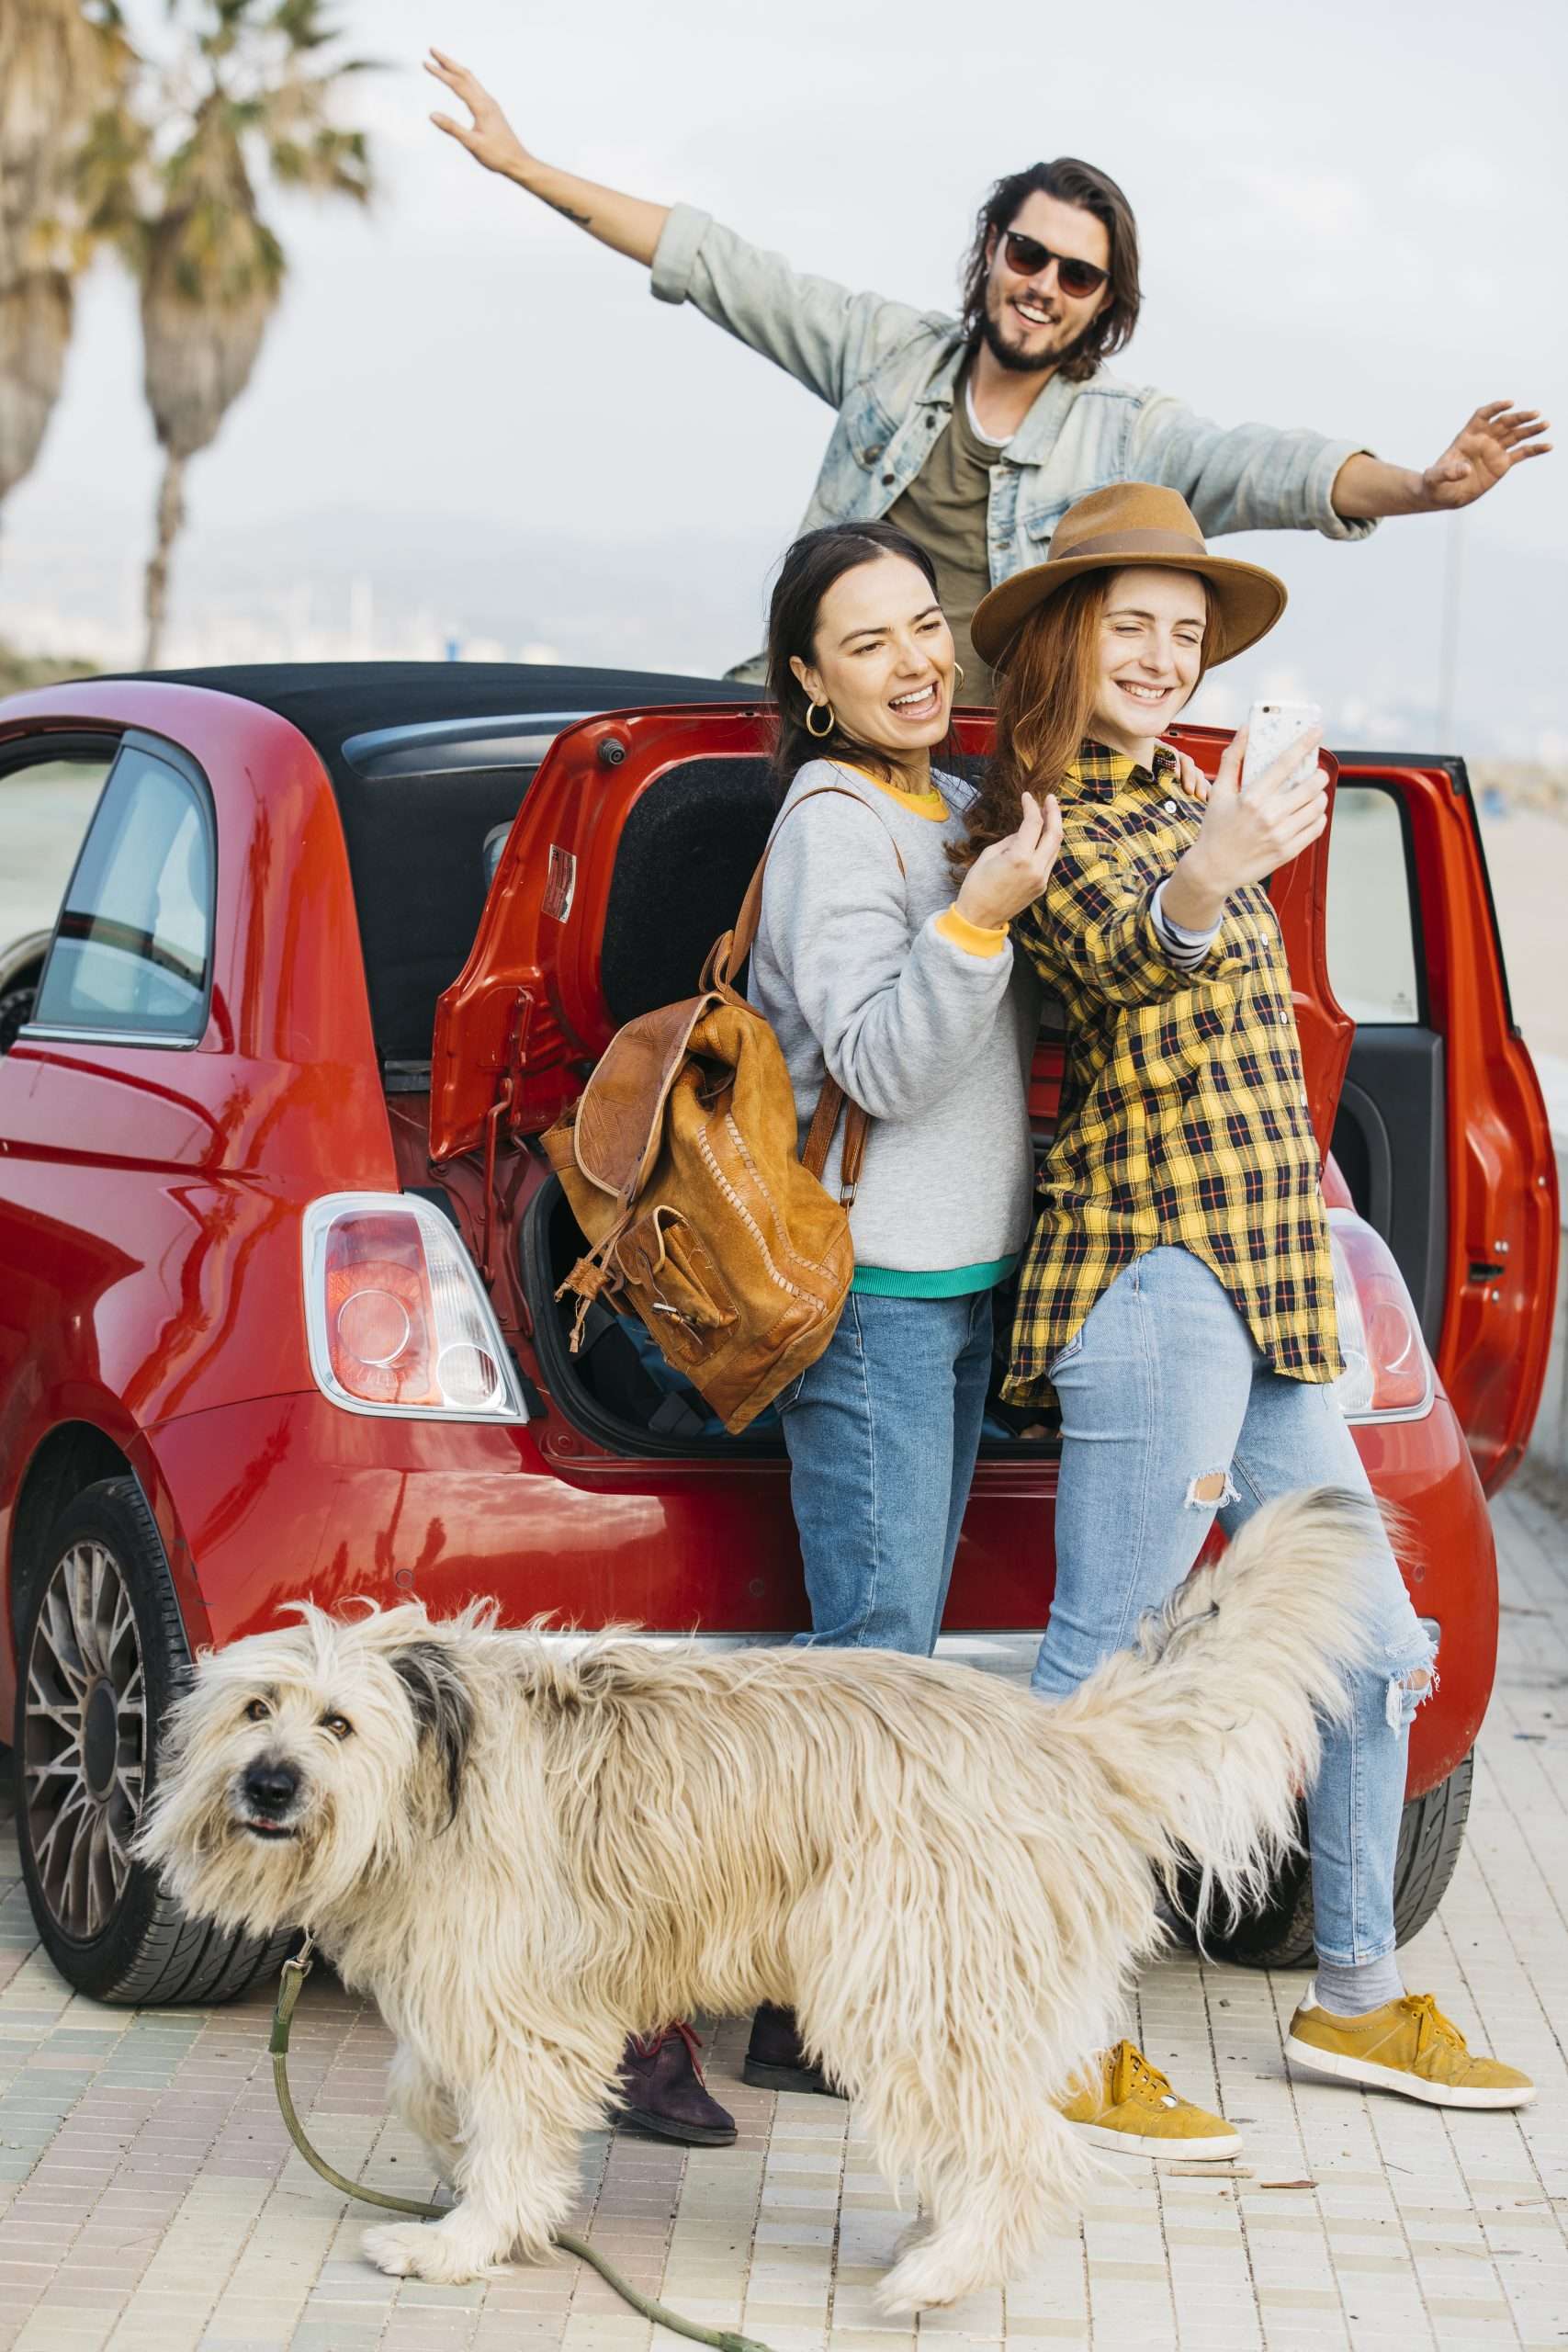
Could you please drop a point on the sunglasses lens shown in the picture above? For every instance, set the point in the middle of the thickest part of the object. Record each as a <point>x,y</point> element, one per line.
<point>1028,257</point>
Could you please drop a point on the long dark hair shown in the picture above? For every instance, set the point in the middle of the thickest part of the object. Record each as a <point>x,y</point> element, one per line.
<point>809,569</point>
<point>1071,182</point>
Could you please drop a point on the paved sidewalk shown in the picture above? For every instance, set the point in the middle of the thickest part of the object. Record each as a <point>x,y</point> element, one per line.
<point>150,2203</point>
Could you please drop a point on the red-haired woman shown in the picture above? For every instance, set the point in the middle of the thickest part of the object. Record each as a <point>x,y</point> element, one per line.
<point>1177,1298</point>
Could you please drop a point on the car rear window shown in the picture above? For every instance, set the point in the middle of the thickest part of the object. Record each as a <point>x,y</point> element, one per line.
<point>133,945</point>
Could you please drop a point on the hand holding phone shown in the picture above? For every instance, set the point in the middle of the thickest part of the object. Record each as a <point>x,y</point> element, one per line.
<point>1266,805</point>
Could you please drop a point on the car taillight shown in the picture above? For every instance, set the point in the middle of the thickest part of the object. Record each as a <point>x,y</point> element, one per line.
<point>1387,1373</point>
<point>396,1315</point>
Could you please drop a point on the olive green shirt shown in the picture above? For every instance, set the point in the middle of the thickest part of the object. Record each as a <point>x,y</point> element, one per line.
<point>943,511</point>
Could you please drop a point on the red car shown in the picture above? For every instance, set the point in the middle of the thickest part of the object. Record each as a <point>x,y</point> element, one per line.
<point>278,1251</point>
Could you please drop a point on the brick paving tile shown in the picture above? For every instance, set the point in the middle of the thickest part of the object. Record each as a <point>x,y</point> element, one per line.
<point>149,2200</point>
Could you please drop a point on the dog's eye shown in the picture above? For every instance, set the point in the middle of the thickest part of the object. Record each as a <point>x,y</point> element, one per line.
<point>257,1711</point>
<point>339,1727</point>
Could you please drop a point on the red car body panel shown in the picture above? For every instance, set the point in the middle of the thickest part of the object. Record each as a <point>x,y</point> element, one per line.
<point>289,1497</point>
<point>149,1215</point>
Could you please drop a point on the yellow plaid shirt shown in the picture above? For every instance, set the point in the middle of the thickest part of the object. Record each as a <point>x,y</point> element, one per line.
<point>1183,1118</point>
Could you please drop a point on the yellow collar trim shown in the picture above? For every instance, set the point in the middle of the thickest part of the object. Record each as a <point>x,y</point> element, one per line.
<point>929,804</point>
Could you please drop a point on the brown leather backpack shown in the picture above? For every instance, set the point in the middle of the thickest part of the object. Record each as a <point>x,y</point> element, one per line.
<point>678,1160</point>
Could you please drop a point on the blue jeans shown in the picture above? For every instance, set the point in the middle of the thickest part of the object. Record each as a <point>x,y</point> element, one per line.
<point>882,1431</point>
<point>1170,1415</point>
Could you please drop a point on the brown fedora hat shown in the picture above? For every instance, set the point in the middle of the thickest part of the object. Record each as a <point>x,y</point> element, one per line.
<point>1132,523</point>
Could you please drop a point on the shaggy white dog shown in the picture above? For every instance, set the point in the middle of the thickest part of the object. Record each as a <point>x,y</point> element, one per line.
<point>523,1854</point>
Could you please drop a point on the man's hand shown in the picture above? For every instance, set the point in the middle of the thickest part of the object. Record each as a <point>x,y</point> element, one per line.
<point>1244,835</point>
<point>625,224</point>
<point>1497,437</point>
<point>1011,874</point>
<point>489,138</point>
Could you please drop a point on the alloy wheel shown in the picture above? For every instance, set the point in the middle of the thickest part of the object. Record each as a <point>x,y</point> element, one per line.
<point>85,1739</point>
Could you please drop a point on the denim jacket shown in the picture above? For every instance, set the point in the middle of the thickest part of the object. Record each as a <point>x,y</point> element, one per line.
<point>890,372</point>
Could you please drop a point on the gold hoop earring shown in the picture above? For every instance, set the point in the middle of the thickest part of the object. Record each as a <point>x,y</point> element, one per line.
<point>958,672</point>
<point>821,733</point>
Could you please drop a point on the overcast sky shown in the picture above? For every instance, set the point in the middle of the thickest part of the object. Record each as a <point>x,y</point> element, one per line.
<point>1353,218</point>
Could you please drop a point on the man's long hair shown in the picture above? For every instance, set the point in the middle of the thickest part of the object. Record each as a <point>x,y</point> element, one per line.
<point>1071,182</point>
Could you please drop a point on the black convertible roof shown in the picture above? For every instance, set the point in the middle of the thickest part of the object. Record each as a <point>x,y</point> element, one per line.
<point>420,786</point>
<point>331,701</point>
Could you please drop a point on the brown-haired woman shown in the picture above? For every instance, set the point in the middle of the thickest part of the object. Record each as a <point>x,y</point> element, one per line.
<point>876,970</point>
<point>1177,1297</point>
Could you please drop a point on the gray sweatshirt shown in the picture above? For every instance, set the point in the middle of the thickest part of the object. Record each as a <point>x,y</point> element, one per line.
<point>857,973</point>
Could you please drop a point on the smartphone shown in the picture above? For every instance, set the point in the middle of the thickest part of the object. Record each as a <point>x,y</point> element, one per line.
<point>1271,729</point>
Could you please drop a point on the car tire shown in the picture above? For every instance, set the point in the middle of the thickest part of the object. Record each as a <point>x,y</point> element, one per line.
<point>15,1012</point>
<point>101,1654</point>
<point>1431,1831</point>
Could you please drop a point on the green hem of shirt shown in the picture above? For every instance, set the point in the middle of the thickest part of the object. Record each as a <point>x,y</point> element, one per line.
<point>949,1281</point>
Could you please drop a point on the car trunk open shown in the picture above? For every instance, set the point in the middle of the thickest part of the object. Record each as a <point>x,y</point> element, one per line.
<point>631,855</point>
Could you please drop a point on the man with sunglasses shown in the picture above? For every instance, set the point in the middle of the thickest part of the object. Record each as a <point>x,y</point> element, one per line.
<point>974,433</point>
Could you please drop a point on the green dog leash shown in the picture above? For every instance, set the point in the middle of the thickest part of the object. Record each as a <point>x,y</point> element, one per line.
<point>290,1984</point>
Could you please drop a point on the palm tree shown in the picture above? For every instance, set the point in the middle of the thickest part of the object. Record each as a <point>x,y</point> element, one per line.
<point>211,271</point>
<point>65,66</point>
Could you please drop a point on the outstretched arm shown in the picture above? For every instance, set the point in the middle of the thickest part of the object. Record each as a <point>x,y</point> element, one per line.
<point>1497,437</point>
<point>819,333</point>
<point>625,224</point>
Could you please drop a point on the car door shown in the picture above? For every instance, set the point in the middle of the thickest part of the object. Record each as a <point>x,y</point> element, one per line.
<point>1441,1133</point>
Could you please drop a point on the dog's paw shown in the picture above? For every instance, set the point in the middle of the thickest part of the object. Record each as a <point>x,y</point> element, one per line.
<point>915,2234</point>
<point>921,2279</point>
<point>419,2250</point>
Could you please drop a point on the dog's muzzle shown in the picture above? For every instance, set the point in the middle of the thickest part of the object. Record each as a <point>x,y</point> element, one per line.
<point>266,1795</point>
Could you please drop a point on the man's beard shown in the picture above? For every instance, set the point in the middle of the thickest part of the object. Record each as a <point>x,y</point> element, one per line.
<point>1024,363</point>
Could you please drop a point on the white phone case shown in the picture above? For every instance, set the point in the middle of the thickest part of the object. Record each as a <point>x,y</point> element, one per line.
<point>1272,728</point>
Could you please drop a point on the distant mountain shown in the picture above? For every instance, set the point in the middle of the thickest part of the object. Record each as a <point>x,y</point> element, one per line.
<point>1364,633</point>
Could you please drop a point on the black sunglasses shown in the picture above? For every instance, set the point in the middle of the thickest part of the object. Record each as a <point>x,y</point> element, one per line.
<point>1028,256</point>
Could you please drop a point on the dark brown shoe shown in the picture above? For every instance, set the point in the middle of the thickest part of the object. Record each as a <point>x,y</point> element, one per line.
<point>775,2060</point>
<point>663,2089</point>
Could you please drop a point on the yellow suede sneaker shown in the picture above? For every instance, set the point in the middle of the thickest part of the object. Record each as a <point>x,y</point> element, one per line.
<point>1128,2105</point>
<point>1406,2046</point>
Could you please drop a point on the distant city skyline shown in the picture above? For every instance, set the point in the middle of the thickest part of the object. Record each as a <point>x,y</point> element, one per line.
<point>487,421</point>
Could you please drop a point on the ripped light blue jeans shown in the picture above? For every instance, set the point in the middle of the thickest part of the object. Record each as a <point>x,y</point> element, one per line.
<point>1171,1416</point>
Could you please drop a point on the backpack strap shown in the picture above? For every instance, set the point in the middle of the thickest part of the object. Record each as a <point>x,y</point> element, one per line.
<point>725,958</point>
<point>730,952</point>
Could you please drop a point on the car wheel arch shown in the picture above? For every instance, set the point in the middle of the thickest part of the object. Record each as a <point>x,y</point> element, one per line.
<point>72,1455</point>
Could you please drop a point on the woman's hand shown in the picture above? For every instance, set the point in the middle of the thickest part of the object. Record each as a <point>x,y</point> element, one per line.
<point>1011,874</point>
<point>1245,836</point>
<point>489,138</point>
